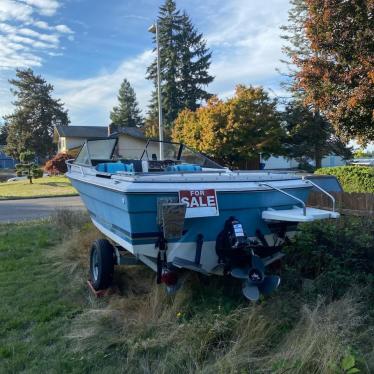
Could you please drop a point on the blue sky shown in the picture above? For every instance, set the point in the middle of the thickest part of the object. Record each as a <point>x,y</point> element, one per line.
<point>86,47</point>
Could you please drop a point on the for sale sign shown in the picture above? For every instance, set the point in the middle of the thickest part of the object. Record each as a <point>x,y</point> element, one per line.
<point>200,203</point>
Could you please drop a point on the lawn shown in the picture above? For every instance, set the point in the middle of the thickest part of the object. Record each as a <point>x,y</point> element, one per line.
<point>36,305</point>
<point>50,323</point>
<point>41,187</point>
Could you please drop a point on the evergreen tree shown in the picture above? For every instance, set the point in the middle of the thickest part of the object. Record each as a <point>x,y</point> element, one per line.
<point>185,61</point>
<point>127,113</point>
<point>296,43</point>
<point>30,127</point>
<point>195,62</point>
<point>309,135</point>
<point>3,134</point>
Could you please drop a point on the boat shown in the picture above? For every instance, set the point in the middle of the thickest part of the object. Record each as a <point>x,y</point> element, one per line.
<point>176,210</point>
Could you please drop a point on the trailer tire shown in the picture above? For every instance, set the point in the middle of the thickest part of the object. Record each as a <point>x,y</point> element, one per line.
<point>101,264</point>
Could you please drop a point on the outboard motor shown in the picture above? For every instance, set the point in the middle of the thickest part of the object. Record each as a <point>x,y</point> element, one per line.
<point>234,251</point>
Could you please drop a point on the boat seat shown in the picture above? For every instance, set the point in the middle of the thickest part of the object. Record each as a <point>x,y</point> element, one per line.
<point>137,164</point>
<point>114,167</point>
<point>183,167</point>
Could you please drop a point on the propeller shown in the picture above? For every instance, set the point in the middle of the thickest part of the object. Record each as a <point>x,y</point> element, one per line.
<point>255,282</point>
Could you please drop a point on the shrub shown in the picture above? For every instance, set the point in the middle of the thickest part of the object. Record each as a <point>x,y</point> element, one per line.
<point>334,256</point>
<point>57,165</point>
<point>28,166</point>
<point>352,178</point>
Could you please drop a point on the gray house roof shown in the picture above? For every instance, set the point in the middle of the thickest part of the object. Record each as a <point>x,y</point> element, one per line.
<point>82,131</point>
<point>135,132</point>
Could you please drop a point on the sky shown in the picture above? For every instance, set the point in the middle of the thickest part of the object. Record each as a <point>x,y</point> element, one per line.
<point>86,47</point>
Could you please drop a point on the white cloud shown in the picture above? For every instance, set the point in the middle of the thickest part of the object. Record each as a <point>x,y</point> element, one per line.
<point>245,39</point>
<point>44,7</point>
<point>29,41</point>
<point>21,31</point>
<point>42,25</point>
<point>90,100</point>
<point>49,38</point>
<point>64,29</point>
<point>10,9</point>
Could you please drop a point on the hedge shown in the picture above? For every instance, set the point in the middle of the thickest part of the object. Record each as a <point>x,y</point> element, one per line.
<point>352,178</point>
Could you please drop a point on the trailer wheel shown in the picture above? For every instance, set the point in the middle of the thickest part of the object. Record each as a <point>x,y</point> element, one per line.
<point>101,264</point>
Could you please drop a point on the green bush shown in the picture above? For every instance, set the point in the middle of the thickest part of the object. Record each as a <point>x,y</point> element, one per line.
<point>28,166</point>
<point>333,256</point>
<point>37,172</point>
<point>352,178</point>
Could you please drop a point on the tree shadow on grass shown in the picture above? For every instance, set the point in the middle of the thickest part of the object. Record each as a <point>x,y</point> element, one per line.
<point>57,184</point>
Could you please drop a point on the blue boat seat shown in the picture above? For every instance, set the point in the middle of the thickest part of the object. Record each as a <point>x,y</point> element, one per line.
<point>114,167</point>
<point>184,167</point>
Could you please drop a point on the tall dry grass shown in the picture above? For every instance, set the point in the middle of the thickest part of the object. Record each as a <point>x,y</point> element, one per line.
<point>206,328</point>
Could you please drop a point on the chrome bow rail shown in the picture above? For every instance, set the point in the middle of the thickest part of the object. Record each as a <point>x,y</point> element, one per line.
<point>323,191</point>
<point>286,193</point>
<point>299,200</point>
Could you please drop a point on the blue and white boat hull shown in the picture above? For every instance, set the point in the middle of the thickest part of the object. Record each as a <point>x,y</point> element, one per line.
<point>129,218</point>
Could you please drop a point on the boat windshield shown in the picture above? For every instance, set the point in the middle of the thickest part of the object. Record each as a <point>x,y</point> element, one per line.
<point>95,150</point>
<point>177,152</point>
<point>104,150</point>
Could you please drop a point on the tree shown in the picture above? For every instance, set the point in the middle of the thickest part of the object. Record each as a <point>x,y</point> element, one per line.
<point>336,75</point>
<point>28,166</point>
<point>185,62</point>
<point>194,65</point>
<point>233,130</point>
<point>30,126</point>
<point>127,113</point>
<point>57,165</point>
<point>296,44</point>
<point>3,134</point>
<point>309,135</point>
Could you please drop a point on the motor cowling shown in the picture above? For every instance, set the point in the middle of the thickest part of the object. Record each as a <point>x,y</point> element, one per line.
<point>231,243</point>
<point>234,252</point>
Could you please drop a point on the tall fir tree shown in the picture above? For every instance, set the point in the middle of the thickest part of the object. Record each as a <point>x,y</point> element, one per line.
<point>296,43</point>
<point>127,113</point>
<point>195,62</point>
<point>30,127</point>
<point>185,62</point>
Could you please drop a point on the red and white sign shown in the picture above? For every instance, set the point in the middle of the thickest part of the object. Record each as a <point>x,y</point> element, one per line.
<point>200,203</point>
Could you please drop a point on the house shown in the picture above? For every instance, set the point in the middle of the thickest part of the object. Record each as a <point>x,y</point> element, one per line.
<point>131,143</point>
<point>131,140</point>
<point>70,137</point>
<point>289,163</point>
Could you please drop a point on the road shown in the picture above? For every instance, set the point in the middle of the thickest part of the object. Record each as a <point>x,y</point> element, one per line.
<point>27,209</point>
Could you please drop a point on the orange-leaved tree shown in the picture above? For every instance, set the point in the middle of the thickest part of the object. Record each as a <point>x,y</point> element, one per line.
<point>336,74</point>
<point>233,130</point>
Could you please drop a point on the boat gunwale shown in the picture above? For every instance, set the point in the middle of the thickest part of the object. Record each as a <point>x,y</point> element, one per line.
<point>257,188</point>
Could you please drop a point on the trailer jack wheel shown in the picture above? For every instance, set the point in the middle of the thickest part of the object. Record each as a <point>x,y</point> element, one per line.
<point>101,264</point>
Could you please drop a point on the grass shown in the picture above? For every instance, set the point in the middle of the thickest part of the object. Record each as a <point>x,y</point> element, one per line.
<point>51,324</point>
<point>41,187</point>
